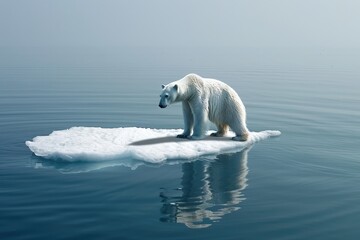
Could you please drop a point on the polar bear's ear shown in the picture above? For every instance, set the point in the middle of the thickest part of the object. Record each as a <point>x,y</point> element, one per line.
<point>176,87</point>
<point>163,86</point>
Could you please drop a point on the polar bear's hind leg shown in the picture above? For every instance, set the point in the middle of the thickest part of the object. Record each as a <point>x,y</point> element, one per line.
<point>241,131</point>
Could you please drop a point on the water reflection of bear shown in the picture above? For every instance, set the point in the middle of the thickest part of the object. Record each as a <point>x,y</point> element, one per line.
<point>210,190</point>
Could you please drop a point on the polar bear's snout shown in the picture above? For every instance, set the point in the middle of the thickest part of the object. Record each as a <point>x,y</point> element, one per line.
<point>164,100</point>
<point>163,103</point>
<point>162,106</point>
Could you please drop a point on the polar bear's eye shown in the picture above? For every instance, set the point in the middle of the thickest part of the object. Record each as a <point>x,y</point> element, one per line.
<point>166,95</point>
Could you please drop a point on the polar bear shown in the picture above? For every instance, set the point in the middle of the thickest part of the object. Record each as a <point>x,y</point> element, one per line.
<point>206,99</point>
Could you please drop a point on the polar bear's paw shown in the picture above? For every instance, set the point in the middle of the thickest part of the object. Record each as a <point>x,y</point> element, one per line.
<point>182,136</point>
<point>217,134</point>
<point>241,138</point>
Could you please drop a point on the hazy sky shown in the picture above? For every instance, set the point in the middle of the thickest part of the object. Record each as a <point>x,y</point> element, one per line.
<point>251,23</point>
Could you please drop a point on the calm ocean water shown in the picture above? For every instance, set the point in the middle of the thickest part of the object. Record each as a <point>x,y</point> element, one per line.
<point>301,185</point>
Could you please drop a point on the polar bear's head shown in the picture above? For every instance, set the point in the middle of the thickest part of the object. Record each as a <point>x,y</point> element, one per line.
<point>168,95</point>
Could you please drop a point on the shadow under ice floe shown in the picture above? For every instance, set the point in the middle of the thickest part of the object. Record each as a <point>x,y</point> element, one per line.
<point>131,147</point>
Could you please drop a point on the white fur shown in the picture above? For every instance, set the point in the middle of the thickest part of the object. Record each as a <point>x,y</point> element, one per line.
<point>206,99</point>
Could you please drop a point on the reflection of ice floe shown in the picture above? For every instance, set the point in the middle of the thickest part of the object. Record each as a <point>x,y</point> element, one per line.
<point>128,146</point>
<point>210,190</point>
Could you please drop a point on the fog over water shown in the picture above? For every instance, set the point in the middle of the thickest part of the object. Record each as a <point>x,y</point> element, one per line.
<point>276,23</point>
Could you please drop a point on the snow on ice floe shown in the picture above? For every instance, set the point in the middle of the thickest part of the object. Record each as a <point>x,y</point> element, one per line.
<point>95,144</point>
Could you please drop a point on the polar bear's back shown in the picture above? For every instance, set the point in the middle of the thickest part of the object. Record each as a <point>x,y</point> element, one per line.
<point>224,104</point>
<point>208,85</point>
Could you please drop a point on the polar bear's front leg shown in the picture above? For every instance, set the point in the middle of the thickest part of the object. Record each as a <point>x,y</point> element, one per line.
<point>200,116</point>
<point>188,120</point>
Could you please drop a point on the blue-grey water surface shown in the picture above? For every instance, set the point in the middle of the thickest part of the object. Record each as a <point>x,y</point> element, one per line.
<point>301,185</point>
